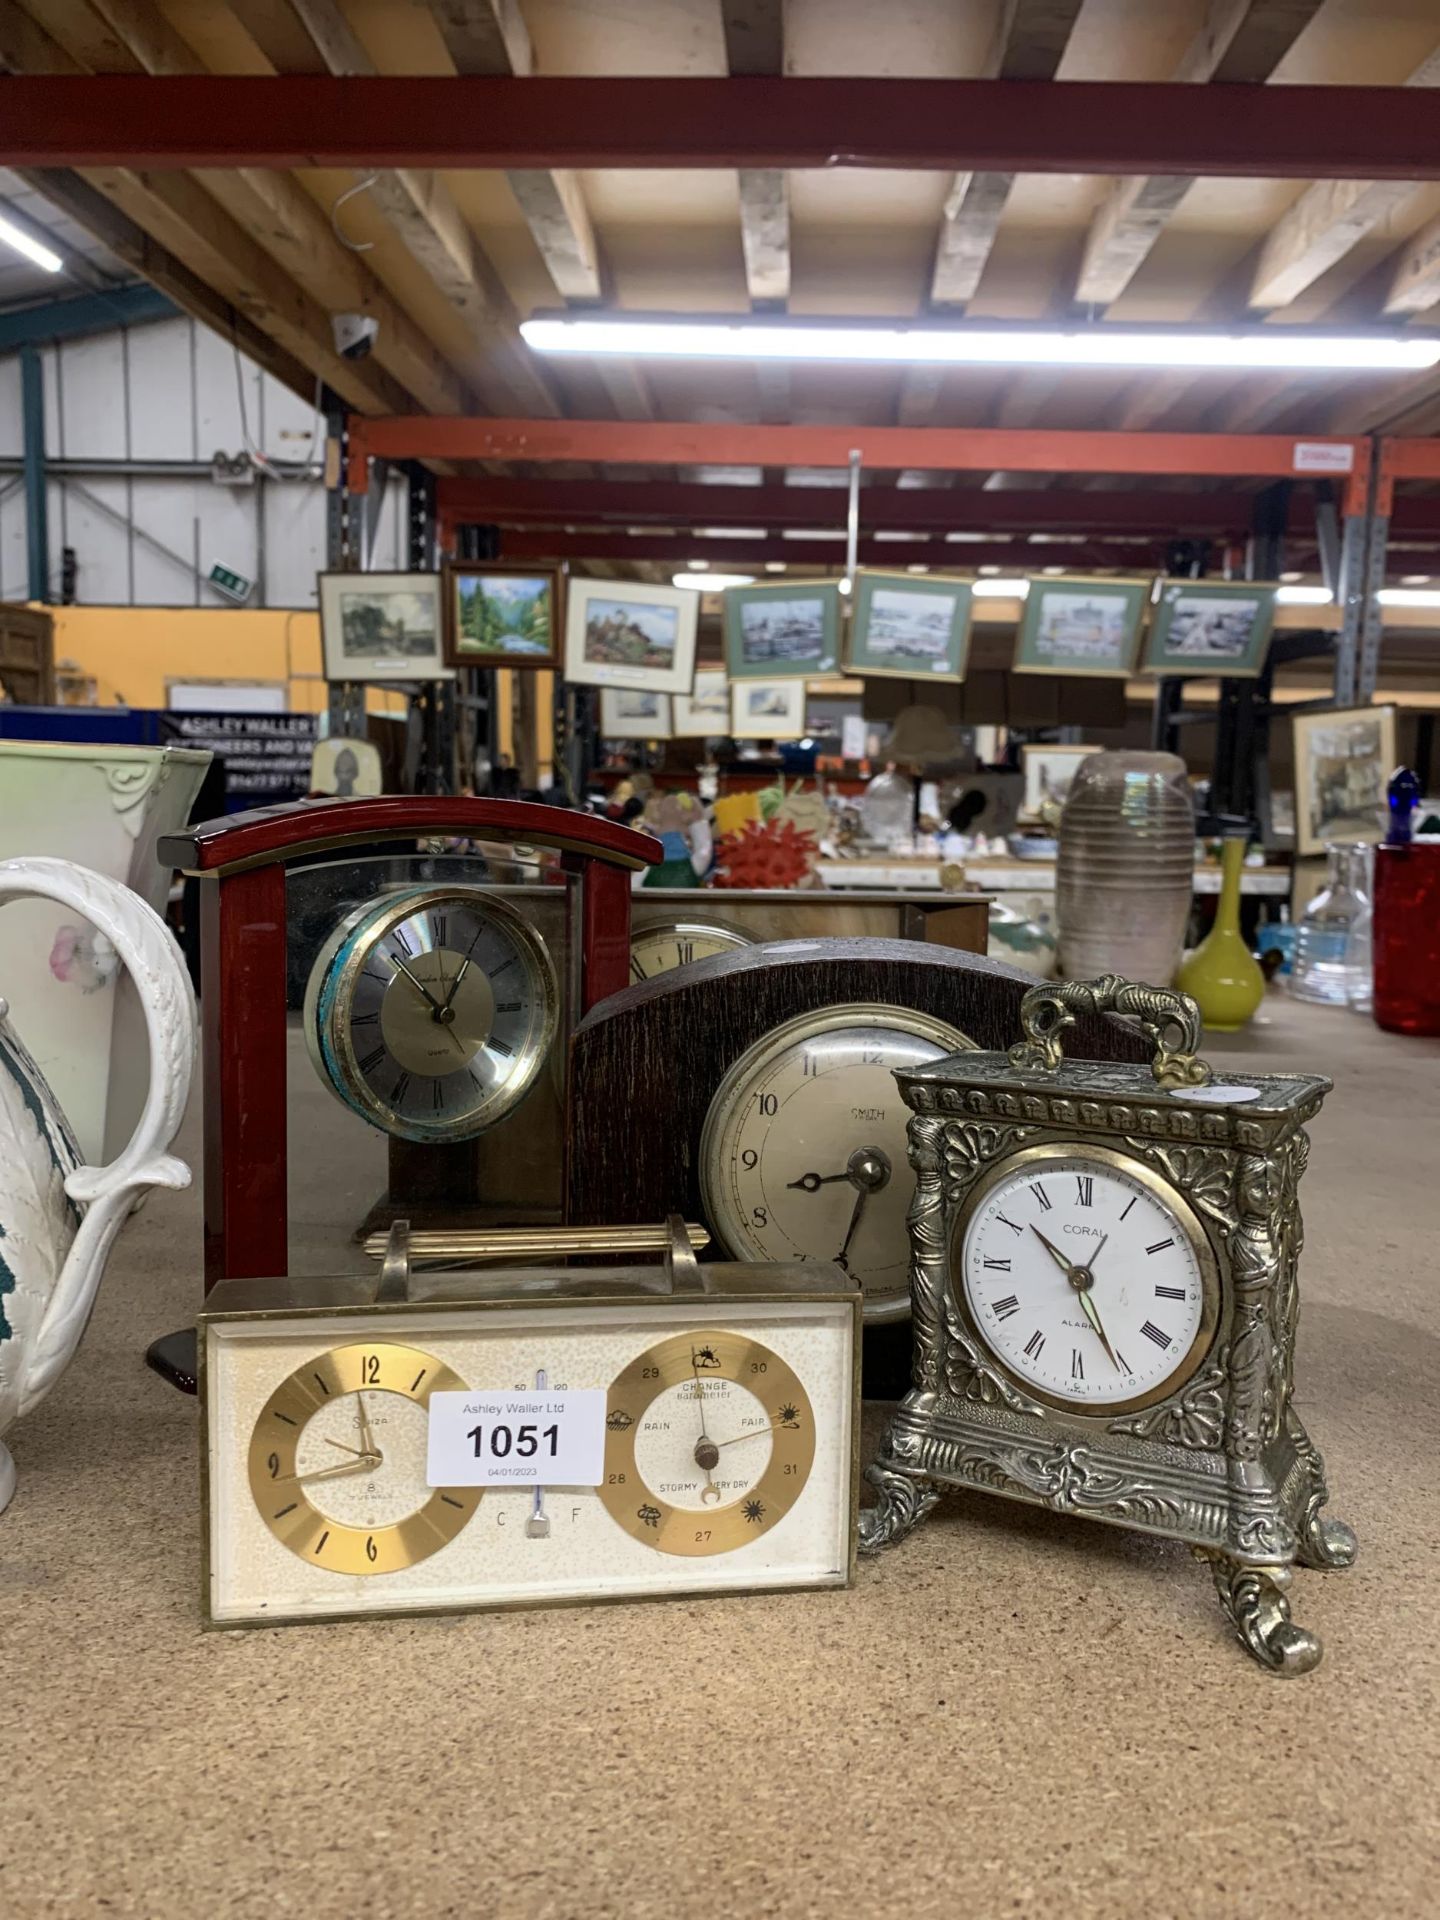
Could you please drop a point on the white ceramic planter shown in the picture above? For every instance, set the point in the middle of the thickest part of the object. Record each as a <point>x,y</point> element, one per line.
<point>103,807</point>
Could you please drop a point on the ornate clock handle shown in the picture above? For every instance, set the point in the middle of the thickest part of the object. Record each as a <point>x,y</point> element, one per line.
<point>1171,1019</point>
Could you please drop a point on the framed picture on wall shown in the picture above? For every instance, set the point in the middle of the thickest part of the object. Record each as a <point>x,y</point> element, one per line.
<point>1075,625</point>
<point>619,633</point>
<point>1343,760</point>
<point>1048,772</point>
<point>784,629</point>
<point>705,710</point>
<point>912,625</point>
<point>1210,627</point>
<point>501,616</point>
<point>634,713</point>
<point>381,626</point>
<point>767,709</point>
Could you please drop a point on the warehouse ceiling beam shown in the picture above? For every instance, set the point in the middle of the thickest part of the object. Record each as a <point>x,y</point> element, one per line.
<point>87,313</point>
<point>755,44</point>
<point>1238,41</point>
<point>1029,42</point>
<point>954,449</point>
<point>678,550</point>
<point>919,509</point>
<point>1007,126</point>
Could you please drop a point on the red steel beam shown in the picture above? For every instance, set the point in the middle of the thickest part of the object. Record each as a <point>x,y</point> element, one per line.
<point>958,556</point>
<point>1006,126</point>
<point>691,443</point>
<point>939,509</point>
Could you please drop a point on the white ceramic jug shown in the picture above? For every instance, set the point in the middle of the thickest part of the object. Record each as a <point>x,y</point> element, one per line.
<point>58,1219</point>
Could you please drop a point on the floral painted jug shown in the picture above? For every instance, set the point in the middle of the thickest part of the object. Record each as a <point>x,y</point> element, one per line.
<point>58,1218</point>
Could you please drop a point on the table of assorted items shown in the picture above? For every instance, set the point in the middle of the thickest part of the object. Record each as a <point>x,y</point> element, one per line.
<point>1056,1228</point>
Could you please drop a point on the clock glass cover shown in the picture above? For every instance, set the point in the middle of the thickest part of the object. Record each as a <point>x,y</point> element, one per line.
<point>1088,1278</point>
<point>430,1012</point>
<point>660,948</point>
<point>803,1154</point>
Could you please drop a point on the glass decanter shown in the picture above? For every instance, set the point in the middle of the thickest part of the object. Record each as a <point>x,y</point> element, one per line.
<point>1325,970</point>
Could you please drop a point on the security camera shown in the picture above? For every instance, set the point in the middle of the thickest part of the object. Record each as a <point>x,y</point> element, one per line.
<point>354,334</point>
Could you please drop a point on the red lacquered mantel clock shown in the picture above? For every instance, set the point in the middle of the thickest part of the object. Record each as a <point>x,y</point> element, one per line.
<point>437,995</point>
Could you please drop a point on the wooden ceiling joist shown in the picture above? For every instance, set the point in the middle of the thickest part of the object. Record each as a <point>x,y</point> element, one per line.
<point>490,37</point>
<point>755,44</point>
<point>1010,126</point>
<point>1328,220</point>
<point>1239,41</point>
<point>1030,40</point>
<point>418,204</point>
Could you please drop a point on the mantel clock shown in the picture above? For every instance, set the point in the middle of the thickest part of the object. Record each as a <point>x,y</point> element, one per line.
<point>1104,1301</point>
<point>437,1003</point>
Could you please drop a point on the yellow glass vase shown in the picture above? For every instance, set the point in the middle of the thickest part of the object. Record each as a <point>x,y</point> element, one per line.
<point>1222,975</point>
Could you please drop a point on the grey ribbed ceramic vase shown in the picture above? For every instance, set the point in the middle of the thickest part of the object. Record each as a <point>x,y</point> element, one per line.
<point>1126,867</point>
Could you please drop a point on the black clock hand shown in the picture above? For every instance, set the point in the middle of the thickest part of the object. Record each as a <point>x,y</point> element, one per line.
<point>812,1182</point>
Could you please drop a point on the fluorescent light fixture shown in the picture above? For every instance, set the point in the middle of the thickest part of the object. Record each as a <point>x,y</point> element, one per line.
<point>1409,596</point>
<point>703,581</point>
<point>1303,597</point>
<point>774,566</point>
<point>917,566</point>
<point>1415,579</point>
<point>1001,589</point>
<point>1094,344</point>
<point>32,249</point>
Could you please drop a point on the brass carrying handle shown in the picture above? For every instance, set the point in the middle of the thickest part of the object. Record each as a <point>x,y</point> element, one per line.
<point>1171,1019</point>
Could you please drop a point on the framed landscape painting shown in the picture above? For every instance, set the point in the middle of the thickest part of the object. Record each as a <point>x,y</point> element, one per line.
<point>911,625</point>
<point>381,626</point>
<point>1211,627</point>
<point>634,713</point>
<point>767,709</point>
<point>782,630</point>
<point>499,616</point>
<point>1071,624</point>
<point>704,712</point>
<point>619,633</point>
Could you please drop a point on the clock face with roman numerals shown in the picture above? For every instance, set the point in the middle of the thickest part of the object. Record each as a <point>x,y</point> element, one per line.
<point>430,1013</point>
<point>1088,1279</point>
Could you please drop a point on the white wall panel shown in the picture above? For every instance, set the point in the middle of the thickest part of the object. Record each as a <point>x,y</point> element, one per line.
<point>168,392</point>
<point>162,424</point>
<point>12,419</point>
<point>92,390</point>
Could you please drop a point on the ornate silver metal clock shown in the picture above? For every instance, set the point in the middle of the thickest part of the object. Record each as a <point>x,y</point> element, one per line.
<point>1104,1297</point>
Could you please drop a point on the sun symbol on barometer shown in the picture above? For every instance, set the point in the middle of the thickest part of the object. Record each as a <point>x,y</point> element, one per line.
<point>754,1510</point>
<point>788,1416</point>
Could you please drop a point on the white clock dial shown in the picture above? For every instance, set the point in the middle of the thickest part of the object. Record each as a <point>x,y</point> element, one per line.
<point>1084,1281</point>
<point>804,1152</point>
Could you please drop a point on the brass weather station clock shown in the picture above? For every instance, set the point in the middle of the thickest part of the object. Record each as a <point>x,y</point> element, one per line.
<point>1104,1301</point>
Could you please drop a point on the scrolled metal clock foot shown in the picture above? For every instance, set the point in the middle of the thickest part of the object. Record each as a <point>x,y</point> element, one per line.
<point>904,1501</point>
<point>1257,1604</point>
<point>1327,1543</point>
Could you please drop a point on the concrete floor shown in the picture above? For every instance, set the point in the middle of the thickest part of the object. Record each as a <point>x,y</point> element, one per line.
<point>1010,1713</point>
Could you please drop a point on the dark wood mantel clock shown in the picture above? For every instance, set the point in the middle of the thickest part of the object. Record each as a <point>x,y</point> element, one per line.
<point>437,1004</point>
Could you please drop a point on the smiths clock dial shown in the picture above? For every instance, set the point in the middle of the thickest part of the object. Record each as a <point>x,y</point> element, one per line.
<point>662,948</point>
<point>803,1153</point>
<point>430,1014</point>
<point>337,1460</point>
<point>1087,1279</point>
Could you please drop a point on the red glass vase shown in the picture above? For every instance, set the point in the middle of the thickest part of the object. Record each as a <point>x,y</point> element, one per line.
<point>1407,938</point>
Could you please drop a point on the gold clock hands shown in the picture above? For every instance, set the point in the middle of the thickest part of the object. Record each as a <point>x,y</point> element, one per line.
<point>367,1438</point>
<point>360,1453</point>
<point>1080,1280</point>
<point>367,1463</point>
<point>1092,1314</point>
